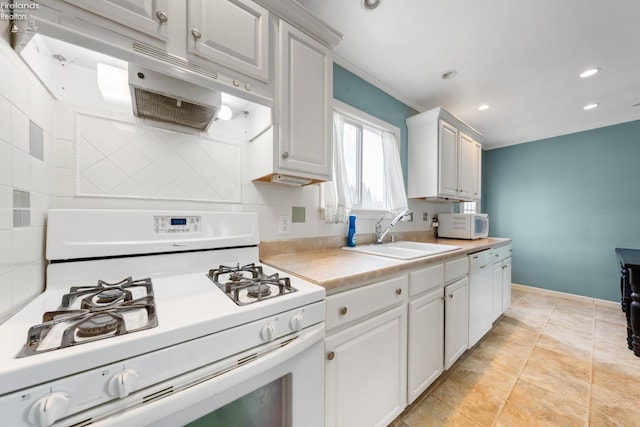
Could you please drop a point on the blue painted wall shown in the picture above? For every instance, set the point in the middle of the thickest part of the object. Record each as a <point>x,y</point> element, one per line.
<point>352,90</point>
<point>567,202</point>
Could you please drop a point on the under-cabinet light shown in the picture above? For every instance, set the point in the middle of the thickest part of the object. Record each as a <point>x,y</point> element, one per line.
<point>113,83</point>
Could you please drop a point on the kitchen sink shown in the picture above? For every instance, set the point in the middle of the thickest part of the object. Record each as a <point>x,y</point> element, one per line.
<point>403,250</point>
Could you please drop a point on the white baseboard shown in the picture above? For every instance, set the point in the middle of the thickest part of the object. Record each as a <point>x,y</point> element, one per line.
<point>541,291</point>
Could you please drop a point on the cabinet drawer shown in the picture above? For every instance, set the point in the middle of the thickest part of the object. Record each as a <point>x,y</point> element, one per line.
<point>427,278</point>
<point>357,304</point>
<point>455,269</point>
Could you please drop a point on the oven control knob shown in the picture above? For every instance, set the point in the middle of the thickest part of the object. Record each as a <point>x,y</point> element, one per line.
<point>123,383</point>
<point>48,409</point>
<point>295,323</point>
<point>268,333</point>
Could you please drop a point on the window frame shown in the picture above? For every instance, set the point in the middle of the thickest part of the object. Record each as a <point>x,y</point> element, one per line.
<point>359,117</point>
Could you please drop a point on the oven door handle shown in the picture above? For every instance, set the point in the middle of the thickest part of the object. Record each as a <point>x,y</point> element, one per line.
<point>162,412</point>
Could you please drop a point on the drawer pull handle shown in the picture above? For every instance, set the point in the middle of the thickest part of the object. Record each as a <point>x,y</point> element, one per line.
<point>331,355</point>
<point>343,311</point>
<point>398,291</point>
<point>162,17</point>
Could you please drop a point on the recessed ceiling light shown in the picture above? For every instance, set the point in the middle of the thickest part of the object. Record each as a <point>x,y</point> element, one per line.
<point>590,72</point>
<point>449,74</point>
<point>483,107</point>
<point>590,106</point>
<point>371,4</point>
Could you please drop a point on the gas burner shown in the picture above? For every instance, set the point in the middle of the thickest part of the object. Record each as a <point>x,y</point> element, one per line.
<point>105,294</point>
<point>90,313</point>
<point>248,284</point>
<point>258,291</point>
<point>96,325</point>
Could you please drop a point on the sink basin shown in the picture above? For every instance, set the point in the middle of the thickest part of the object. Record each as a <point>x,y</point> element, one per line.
<point>403,250</point>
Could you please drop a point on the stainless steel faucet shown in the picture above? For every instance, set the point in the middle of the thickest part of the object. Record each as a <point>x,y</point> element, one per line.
<point>380,234</point>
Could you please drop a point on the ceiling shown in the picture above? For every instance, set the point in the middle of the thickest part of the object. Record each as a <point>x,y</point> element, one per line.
<point>522,58</point>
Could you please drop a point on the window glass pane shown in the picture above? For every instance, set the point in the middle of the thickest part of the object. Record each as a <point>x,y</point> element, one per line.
<point>350,136</point>
<point>372,170</point>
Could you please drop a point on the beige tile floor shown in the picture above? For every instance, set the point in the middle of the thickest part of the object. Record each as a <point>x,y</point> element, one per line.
<point>547,362</point>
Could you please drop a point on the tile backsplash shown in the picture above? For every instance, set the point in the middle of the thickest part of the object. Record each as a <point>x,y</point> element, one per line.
<point>53,155</point>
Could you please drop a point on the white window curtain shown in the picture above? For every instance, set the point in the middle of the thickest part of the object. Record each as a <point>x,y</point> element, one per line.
<point>396,198</point>
<point>337,202</point>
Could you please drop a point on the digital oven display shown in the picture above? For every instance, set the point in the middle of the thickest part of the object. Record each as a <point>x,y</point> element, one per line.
<point>178,221</point>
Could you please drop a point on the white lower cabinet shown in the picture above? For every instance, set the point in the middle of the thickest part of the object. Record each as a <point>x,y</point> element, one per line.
<point>425,335</point>
<point>501,281</point>
<point>456,320</point>
<point>506,283</point>
<point>496,299</point>
<point>366,361</point>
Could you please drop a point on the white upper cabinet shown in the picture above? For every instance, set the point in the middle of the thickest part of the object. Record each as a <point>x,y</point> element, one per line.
<point>150,17</point>
<point>305,93</point>
<point>444,157</point>
<point>233,33</point>
<point>477,171</point>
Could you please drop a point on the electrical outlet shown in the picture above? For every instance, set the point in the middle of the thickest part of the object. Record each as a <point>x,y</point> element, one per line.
<point>284,224</point>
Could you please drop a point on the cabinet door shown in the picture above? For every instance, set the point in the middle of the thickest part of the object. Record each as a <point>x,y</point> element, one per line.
<point>465,166</point>
<point>506,284</point>
<point>456,321</point>
<point>477,171</point>
<point>366,371</point>
<point>147,16</point>
<point>480,303</point>
<point>447,159</point>
<point>425,342</point>
<point>305,93</point>
<point>496,303</point>
<point>233,33</point>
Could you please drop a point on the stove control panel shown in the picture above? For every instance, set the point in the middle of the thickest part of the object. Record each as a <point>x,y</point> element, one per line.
<point>176,224</point>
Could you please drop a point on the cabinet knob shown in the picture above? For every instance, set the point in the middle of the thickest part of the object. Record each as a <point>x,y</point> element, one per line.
<point>247,87</point>
<point>162,17</point>
<point>450,296</point>
<point>285,155</point>
<point>343,310</point>
<point>331,355</point>
<point>398,291</point>
<point>196,33</point>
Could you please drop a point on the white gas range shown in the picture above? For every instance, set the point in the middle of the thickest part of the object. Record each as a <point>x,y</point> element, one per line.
<point>139,325</point>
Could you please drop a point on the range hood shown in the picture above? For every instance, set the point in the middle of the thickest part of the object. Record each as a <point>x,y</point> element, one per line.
<point>160,97</point>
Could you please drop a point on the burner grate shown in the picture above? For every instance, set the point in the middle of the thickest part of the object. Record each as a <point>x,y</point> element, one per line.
<point>105,310</point>
<point>248,284</point>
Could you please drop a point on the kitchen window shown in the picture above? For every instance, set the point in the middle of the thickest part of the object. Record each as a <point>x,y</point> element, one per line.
<point>367,170</point>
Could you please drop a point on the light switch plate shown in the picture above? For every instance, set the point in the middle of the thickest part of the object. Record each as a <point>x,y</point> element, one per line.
<point>284,224</point>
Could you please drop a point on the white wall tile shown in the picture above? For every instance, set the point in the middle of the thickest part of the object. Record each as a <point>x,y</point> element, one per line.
<point>19,129</point>
<point>64,122</point>
<point>63,153</point>
<point>6,251</point>
<point>6,167</point>
<point>63,182</point>
<point>6,293</point>
<point>28,281</point>
<point>21,173</point>
<point>5,119</point>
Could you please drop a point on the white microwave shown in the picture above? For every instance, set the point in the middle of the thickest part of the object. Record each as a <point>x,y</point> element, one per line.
<point>463,226</point>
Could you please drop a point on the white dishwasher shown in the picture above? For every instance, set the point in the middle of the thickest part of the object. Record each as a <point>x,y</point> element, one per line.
<point>480,294</point>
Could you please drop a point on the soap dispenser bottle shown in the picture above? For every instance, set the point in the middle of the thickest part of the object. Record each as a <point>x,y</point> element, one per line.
<point>351,236</point>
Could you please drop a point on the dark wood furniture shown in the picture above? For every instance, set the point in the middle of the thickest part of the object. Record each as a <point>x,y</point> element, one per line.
<point>630,294</point>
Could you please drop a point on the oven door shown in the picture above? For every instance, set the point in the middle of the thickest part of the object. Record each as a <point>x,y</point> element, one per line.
<point>282,388</point>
